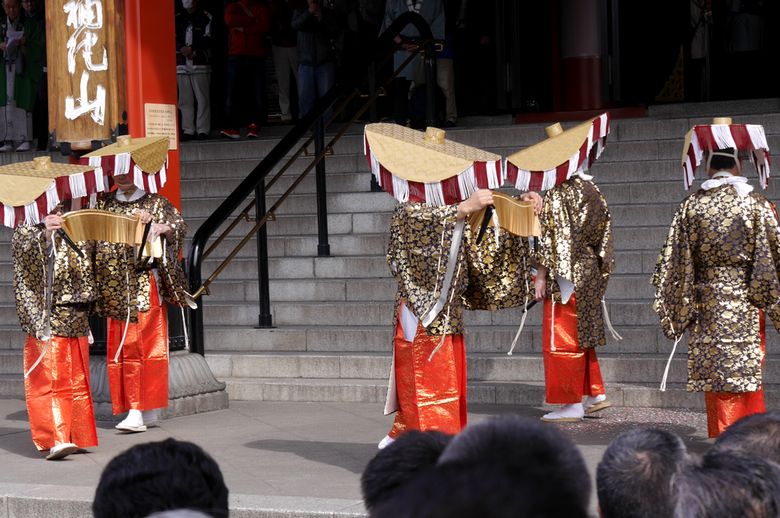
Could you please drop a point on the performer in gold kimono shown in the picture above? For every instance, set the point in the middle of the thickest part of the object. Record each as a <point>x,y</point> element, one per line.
<point>54,290</point>
<point>719,269</point>
<point>573,262</point>
<point>133,298</point>
<point>440,268</point>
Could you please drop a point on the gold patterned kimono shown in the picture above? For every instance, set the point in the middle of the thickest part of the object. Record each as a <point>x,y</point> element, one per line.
<point>718,267</point>
<point>73,284</point>
<point>487,276</point>
<point>116,272</point>
<point>576,244</point>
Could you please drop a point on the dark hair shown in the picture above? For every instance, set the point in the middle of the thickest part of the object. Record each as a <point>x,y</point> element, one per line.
<point>728,484</point>
<point>160,476</point>
<point>756,434</point>
<point>543,464</point>
<point>479,491</point>
<point>399,462</point>
<point>634,476</point>
<point>720,162</point>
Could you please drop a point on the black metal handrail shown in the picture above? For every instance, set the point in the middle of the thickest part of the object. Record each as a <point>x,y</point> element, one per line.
<point>255,180</point>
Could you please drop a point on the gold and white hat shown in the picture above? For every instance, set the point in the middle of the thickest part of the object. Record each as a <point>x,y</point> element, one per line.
<point>554,160</point>
<point>426,167</point>
<point>31,190</point>
<point>748,140</point>
<point>146,158</point>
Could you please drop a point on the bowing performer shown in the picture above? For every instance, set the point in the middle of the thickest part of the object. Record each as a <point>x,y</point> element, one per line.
<point>440,268</point>
<point>134,293</point>
<point>54,287</point>
<point>573,263</point>
<point>717,274</point>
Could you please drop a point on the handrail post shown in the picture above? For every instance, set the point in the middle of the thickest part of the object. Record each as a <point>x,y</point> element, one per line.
<point>264,319</point>
<point>429,58</point>
<point>195,316</point>
<point>323,247</point>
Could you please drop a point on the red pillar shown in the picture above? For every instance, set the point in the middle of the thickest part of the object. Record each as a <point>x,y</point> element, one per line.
<point>150,51</point>
<point>581,55</point>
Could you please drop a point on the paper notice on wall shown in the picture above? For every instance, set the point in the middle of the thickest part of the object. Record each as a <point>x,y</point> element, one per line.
<point>161,121</point>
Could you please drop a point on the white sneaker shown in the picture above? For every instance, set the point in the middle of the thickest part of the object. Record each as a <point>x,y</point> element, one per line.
<point>565,414</point>
<point>6,148</point>
<point>151,417</point>
<point>595,404</point>
<point>24,146</point>
<point>62,450</point>
<point>134,422</point>
<point>384,443</point>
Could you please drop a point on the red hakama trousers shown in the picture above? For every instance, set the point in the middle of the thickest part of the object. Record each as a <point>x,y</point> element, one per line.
<point>431,394</point>
<point>138,380</point>
<point>726,408</point>
<point>569,372</point>
<point>59,401</point>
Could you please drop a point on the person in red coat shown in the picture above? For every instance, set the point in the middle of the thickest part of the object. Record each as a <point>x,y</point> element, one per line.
<point>248,23</point>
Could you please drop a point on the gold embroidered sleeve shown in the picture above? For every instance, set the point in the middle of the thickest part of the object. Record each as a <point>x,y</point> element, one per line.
<point>420,245</point>
<point>674,280</point>
<point>499,274</point>
<point>28,246</point>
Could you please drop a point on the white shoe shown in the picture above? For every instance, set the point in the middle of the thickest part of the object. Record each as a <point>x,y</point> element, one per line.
<point>595,404</point>
<point>24,146</point>
<point>384,443</point>
<point>565,414</point>
<point>134,422</point>
<point>6,148</point>
<point>62,450</point>
<point>151,417</point>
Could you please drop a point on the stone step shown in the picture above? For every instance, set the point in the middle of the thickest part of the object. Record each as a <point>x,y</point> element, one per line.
<point>382,289</point>
<point>11,361</point>
<point>485,392</point>
<point>306,246</point>
<point>305,267</point>
<point>346,338</point>
<point>627,312</point>
<point>634,368</point>
<point>337,203</point>
<point>240,168</point>
<point>664,127</point>
<point>11,385</point>
<point>356,180</point>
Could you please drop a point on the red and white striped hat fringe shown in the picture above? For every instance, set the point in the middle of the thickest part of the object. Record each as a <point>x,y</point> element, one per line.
<point>68,187</point>
<point>122,163</point>
<point>747,139</point>
<point>581,160</point>
<point>457,188</point>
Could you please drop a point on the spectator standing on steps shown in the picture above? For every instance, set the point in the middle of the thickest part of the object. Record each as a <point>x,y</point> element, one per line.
<point>193,69</point>
<point>284,43</point>
<point>248,23</point>
<point>433,13</point>
<point>21,53</point>
<point>318,28</point>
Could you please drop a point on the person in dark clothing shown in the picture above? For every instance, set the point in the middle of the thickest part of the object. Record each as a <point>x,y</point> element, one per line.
<point>193,69</point>
<point>284,43</point>
<point>317,27</point>
<point>248,22</point>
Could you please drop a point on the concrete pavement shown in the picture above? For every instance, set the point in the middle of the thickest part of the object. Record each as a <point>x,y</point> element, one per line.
<point>299,460</point>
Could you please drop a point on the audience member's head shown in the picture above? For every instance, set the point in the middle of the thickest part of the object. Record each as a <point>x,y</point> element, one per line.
<point>399,462</point>
<point>161,476</point>
<point>728,484</point>
<point>634,477</point>
<point>534,453</point>
<point>756,434</point>
<point>499,468</point>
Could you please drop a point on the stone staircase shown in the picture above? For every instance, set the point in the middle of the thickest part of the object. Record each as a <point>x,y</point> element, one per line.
<point>333,336</point>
